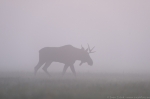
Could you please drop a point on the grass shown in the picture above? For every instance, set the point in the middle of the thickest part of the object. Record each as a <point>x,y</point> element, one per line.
<point>84,86</point>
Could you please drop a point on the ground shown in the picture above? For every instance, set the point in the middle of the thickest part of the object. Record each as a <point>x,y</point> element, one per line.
<point>24,85</point>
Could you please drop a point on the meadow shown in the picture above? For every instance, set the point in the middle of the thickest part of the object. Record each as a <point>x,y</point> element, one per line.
<point>24,85</point>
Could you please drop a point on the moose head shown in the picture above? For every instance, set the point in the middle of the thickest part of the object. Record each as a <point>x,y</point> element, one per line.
<point>85,57</point>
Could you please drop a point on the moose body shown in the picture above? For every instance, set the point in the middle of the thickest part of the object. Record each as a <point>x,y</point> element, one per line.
<point>65,54</point>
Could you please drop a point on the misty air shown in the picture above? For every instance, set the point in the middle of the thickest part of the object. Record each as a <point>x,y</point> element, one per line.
<point>75,49</point>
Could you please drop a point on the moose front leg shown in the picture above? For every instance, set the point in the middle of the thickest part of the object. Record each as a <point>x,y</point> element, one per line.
<point>47,64</point>
<point>73,70</point>
<point>64,69</point>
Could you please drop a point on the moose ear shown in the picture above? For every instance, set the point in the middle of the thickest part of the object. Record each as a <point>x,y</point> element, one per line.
<point>81,63</point>
<point>82,47</point>
<point>86,50</point>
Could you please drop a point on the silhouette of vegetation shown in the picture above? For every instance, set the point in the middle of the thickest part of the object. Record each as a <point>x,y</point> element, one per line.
<point>85,86</point>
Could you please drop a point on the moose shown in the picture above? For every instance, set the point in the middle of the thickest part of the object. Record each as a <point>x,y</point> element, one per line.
<point>66,54</point>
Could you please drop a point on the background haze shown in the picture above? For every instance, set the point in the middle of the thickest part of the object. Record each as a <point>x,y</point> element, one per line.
<point>118,29</point>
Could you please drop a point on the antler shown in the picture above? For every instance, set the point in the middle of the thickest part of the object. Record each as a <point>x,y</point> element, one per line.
<point>90,50</point>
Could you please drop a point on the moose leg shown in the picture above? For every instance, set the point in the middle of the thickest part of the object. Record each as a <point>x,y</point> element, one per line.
<point>37,67</point>
<point>73,70</point>
<point>64,69</point>
<point>45,67</point>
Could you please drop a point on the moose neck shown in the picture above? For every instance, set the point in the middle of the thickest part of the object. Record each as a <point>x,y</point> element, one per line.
<point>79,55</point>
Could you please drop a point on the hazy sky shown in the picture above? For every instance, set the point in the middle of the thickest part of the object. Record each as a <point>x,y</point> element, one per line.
<point>119,30</point>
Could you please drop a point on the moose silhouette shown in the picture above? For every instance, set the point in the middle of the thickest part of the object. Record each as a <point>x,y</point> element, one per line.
<point>66,54</point>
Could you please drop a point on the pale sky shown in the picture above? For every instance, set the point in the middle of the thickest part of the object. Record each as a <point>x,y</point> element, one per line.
<point>119,30</point>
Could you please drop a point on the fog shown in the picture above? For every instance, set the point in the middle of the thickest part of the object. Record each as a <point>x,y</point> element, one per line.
<point>118,29</point>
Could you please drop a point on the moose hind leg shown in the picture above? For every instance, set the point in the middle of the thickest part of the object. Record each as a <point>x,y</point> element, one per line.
<point>64,69</point>
<point>73,70</point>
<point>37,67</point>
<point>47,64</point>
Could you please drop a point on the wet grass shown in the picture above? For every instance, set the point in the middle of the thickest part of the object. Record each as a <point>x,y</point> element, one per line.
<point>84,86</point>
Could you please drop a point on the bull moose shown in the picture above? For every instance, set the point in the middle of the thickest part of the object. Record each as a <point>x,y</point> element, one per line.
<point>66,54</point>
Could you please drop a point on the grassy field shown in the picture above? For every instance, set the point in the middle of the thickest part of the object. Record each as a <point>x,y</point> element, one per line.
<point>24,85</point>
